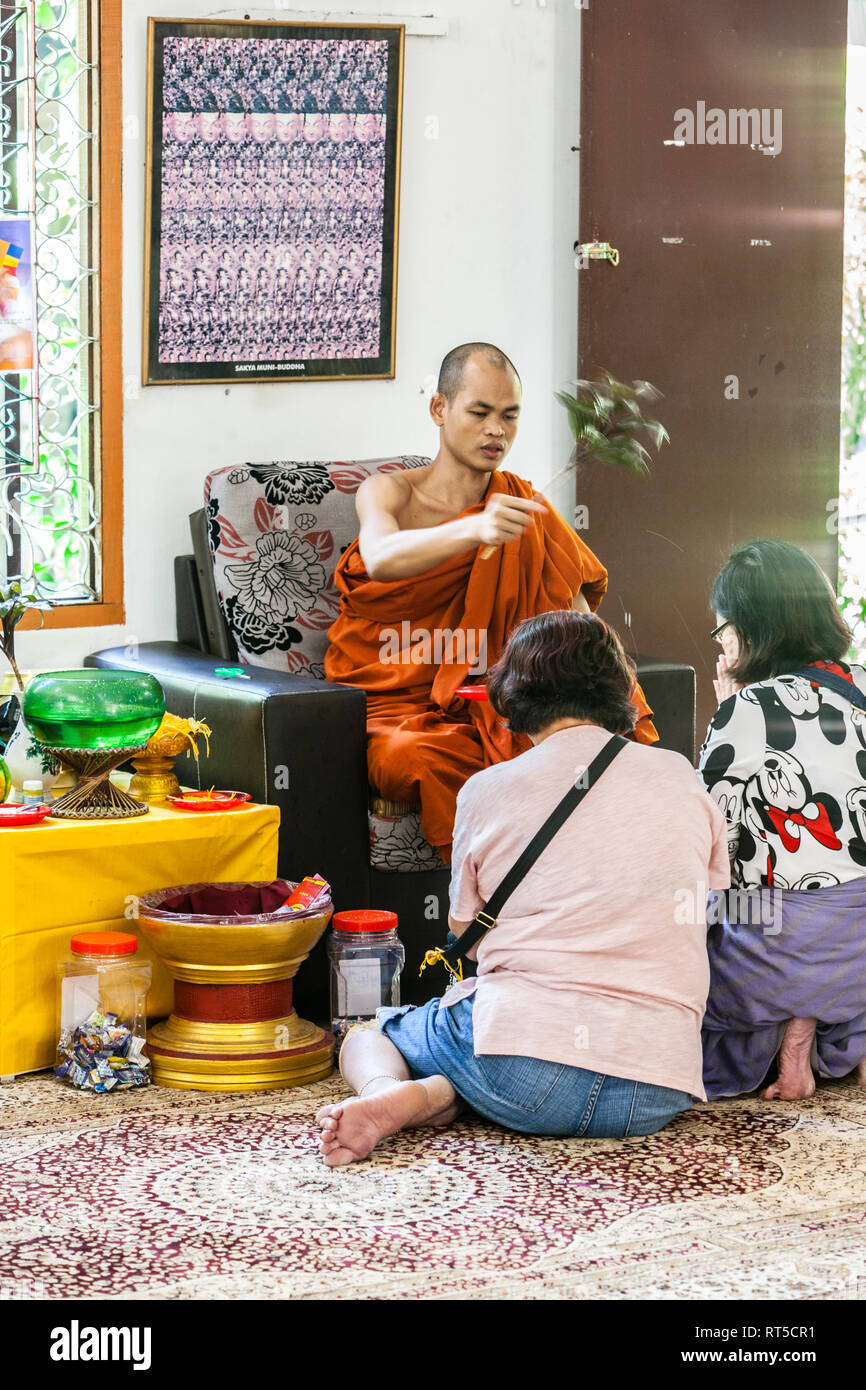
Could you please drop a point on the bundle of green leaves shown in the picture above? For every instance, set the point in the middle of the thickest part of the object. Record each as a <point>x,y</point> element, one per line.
<point>14,603</point>
<point>607,420</point>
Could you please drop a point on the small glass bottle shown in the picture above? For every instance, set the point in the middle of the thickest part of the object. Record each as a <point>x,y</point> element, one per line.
<point>102,1013</point>
<point>366,959</point>
<point>32,793</point>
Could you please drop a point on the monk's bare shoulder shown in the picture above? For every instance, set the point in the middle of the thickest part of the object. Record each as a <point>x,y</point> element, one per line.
<point>391,493</point>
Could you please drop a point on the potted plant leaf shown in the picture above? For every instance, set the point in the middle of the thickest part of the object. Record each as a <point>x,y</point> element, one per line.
<point>609,425</point>
<point>22,755</point>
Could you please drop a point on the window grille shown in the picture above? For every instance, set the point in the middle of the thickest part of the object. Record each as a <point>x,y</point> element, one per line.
<point>49,416</point>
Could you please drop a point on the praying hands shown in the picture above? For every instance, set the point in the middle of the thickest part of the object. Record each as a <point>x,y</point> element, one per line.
<point>723,685</point>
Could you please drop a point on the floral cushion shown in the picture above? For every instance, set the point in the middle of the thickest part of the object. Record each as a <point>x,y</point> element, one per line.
<point>398,846</point>
<point>277,531</point>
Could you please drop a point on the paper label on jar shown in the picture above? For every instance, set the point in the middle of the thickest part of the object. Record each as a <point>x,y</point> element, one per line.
<point>79,996</point>
<point>358,990</point>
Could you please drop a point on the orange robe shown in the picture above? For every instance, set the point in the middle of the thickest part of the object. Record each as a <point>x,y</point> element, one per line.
<point>423,740</point>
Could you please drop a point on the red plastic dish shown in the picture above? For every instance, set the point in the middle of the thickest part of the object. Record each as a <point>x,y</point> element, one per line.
<point>471,692</point>
<point>15,813</point>
<point>209,801</point>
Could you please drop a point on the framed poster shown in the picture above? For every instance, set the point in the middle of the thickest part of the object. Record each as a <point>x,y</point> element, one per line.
<point>273,167</point>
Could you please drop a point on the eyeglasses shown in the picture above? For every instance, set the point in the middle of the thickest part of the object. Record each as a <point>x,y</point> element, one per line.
<point>717,630</point>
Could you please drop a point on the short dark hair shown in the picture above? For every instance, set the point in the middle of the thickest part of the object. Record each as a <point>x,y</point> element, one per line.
<point>783,608</point>
<point>563,665</point>
<point>452,371</point>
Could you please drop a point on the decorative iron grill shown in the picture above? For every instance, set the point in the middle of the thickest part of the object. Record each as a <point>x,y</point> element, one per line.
<point>49,417</point>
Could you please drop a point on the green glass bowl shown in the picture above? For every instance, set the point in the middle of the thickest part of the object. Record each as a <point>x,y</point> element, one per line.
<point>93,709</point>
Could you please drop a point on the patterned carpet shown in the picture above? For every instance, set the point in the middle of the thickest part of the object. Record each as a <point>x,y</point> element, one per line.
<point>170,1194</point>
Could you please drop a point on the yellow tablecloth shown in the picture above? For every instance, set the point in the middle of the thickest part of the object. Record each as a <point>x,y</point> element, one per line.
<point>67,876</point>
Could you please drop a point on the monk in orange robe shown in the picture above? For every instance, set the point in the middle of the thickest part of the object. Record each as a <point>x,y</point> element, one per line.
<point>450,557</point>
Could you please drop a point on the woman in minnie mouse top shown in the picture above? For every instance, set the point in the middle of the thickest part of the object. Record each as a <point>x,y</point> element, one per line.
<point>785,758</point>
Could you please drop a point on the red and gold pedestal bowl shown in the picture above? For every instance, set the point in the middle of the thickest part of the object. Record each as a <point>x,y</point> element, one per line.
<point>233,951</point>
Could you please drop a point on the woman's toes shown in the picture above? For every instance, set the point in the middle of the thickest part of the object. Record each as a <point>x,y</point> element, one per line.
<point>338,1157</point>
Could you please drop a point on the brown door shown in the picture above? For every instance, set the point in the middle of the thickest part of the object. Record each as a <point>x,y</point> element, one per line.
<point>727,296</point>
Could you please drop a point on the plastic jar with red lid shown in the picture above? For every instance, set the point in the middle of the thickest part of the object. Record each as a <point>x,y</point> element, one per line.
<point>102,1013</point>
<point>367,957</point>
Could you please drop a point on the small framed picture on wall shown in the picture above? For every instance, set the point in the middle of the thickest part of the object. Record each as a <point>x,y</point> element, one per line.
<point>273,181</point>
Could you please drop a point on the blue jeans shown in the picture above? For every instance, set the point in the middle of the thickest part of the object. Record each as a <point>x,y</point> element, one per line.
<point>524,1093</point>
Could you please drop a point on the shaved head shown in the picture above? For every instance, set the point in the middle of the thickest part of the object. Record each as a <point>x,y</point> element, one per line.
<point>452,371</point>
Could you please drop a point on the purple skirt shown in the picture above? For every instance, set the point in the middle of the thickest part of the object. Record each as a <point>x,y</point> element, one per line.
<point>810,962</point>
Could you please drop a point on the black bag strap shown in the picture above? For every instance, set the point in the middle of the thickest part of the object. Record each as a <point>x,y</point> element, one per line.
<point>833,682</point>
<point>485,918</point>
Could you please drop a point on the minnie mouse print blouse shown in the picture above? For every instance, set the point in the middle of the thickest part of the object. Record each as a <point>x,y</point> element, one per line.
<point>786,761</point>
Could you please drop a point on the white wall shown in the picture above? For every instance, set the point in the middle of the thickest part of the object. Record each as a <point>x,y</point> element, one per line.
<point>487,221</point>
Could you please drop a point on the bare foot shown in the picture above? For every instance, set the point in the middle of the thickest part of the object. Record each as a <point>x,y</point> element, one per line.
<point>795,1080</point>
<point>859,1073</point>
<point>352,1128</point>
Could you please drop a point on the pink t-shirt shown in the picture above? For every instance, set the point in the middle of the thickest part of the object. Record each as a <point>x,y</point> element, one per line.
<point>599,957</point>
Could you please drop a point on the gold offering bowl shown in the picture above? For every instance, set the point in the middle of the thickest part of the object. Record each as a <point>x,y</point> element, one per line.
<point>154,778</point>
<point>233,953</point>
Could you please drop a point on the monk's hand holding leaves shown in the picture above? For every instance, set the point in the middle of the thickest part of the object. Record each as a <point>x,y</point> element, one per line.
<point>505,518</point>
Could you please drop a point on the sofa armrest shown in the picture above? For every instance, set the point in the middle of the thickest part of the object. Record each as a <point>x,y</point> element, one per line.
<point>670,688</point>
<point>290,741</point>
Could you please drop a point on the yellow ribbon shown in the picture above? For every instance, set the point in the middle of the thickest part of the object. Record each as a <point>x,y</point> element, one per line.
<point>437,958</point>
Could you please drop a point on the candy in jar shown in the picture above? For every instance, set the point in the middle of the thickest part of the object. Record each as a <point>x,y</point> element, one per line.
<point>102,1014</point>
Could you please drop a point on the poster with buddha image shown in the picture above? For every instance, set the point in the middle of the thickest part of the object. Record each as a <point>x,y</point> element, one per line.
<point>273,179</point>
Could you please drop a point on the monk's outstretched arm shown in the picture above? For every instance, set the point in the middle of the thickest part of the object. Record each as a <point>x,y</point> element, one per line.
<point>389,552</point>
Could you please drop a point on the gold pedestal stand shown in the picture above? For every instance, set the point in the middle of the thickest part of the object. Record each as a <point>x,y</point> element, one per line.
<point>267,1055</point>
<point>154,778</point>
<point>233,1027</point>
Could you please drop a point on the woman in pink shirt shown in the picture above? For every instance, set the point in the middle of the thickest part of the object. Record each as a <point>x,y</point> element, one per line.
<point>585,1016</point>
